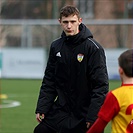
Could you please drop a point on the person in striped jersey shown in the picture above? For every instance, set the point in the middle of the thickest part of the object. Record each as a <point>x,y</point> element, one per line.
<point>118,105</point>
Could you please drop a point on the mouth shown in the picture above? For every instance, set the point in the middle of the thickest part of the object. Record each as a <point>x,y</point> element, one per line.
<point>69,31</point>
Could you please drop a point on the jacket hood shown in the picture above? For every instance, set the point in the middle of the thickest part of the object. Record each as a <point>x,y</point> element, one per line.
<point>78,38</point>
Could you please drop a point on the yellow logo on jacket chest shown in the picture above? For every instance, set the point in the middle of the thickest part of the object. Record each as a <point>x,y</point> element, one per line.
<point>80,57</point>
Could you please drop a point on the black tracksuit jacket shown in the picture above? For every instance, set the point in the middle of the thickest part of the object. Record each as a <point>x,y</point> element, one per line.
<point>75,80</point>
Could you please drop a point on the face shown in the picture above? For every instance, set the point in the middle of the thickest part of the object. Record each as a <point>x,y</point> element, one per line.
<point>70,24</point>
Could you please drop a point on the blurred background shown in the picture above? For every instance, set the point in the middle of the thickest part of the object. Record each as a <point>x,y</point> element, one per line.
<point>33,24</point>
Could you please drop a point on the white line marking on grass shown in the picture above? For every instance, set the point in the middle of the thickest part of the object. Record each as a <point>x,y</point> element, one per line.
<point>21,95</point>
<point>9,104</point>
<point>15,131</point>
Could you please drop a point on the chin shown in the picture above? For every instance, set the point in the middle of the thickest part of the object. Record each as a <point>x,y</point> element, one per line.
<point>69,34</point>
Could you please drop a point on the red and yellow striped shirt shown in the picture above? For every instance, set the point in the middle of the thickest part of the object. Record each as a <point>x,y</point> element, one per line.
<point>118,107</point>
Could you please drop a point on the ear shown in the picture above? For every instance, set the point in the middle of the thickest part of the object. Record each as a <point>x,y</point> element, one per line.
<point>80,20</point>
<point>59,20</point>
<point>120,71</point>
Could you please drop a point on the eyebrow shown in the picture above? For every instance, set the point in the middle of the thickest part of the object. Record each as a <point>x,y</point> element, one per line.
<point>68,21</point>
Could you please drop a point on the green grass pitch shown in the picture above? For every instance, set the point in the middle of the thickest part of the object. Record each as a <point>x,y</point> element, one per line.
<point>21,119</point>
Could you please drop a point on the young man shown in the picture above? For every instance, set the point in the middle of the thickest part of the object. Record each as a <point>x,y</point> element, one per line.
<point>118,105</point>
<point>75,81</point>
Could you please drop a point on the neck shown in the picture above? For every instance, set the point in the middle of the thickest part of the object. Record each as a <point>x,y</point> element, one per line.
<point>128,80</point>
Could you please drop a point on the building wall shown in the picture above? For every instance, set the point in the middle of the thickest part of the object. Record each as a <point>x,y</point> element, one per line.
<point>109,36</point>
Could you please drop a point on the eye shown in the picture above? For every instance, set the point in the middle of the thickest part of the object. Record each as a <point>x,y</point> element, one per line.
<point>65,22</point>
<point>73,21</point>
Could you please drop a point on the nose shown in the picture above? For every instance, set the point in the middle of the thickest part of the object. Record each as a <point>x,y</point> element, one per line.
<point>69,25</point>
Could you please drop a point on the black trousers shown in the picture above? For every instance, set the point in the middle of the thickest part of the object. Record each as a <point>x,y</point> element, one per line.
<point>63,127</point>
<point>43,128</point>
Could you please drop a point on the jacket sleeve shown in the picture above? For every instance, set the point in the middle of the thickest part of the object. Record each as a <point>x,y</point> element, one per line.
<point>47,90</point>
<point>98,77</point>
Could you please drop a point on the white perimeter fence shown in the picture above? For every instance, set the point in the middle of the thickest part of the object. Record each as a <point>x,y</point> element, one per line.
<point>31,63</point>
<point>28,60</point>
